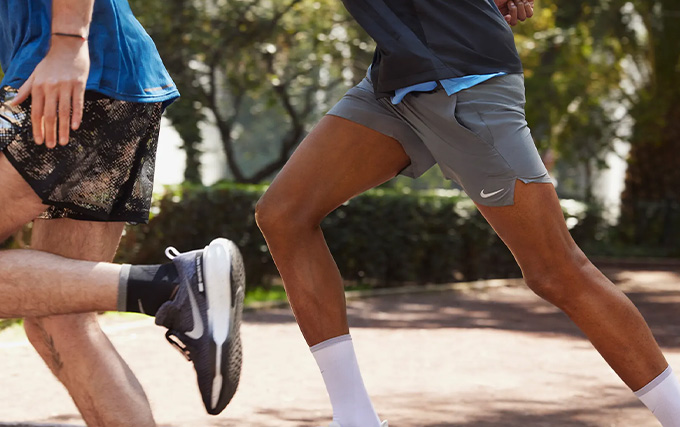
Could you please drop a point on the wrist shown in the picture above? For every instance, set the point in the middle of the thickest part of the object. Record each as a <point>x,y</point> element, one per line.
<point>74,35</point>
<point>64,45</point>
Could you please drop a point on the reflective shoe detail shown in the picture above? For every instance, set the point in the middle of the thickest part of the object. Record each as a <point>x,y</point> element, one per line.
<point>204,318</point>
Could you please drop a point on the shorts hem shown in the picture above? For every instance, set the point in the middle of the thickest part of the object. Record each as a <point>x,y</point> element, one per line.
<point>508,199</point>
<point>79,213</point>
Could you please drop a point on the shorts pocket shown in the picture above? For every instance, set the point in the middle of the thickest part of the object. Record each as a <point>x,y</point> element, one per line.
<point>473,122</point>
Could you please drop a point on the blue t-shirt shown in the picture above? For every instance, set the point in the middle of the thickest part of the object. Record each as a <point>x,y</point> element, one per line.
<point>451,86</point>
<point>124,62</point>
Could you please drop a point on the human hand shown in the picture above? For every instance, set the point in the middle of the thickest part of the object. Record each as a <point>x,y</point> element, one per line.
<point>57,90</point>
<point>515,10</point>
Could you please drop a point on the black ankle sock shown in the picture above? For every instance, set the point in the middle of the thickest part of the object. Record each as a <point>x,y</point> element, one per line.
<point>144,288</point>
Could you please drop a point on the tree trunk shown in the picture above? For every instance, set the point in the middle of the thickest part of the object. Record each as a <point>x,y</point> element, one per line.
<point>650,213</point>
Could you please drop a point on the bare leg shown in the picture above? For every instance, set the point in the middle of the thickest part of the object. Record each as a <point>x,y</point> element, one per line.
<point>34,283</point>
<point>556,269</point>
<point>338,160</point>
<point>74,347</point>
<point>18,203</point>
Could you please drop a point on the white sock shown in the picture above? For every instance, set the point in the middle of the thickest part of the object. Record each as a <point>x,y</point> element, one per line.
<point>338,364</point>
<point>662,397</point>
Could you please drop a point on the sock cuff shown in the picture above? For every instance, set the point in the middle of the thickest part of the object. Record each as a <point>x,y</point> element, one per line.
<point>330,342</point>
<point>121,302</point>
<point>655,382</point>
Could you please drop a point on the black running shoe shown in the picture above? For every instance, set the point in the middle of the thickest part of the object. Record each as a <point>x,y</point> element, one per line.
<point>204,318</point>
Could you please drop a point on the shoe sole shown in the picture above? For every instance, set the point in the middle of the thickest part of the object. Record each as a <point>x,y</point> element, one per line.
<point>216,267</point>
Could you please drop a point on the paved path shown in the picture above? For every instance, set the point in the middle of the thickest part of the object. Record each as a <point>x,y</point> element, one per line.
<point>500,357</point>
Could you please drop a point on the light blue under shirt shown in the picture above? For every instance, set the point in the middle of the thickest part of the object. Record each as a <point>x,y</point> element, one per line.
<point>451,86</point>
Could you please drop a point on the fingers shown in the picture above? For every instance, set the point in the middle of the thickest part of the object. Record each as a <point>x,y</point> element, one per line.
<point>57,91</point>
<point>51,112</point>
<point>502,6</point>
<point>64,116</point>
<point>37,111</point>
<point>78,101</point>
<point>50,116</point>
<point>23,93</point>
<point>521,10</point>
<point>511,17</point>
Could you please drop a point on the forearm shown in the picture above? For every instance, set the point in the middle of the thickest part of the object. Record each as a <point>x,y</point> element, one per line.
<point>72,16</point>
<point>57,85</point>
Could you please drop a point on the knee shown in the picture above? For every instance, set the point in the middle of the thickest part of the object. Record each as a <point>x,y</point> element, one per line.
<point>548,287</point>
<point>276,215</point>
<point>559,281</point>
<point>265,214</point>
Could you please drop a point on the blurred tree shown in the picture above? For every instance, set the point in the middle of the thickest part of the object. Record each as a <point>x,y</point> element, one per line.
<point>586,60</point>
<point>649,31</point>
<point>261,71</point>
<point>571,83</point>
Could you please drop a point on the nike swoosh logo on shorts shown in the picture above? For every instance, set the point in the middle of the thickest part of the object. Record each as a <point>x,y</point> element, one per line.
<point>197,331</point>
<point>486,196</point>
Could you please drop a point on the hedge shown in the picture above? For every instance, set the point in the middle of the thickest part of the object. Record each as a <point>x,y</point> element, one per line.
<point>383,237</point>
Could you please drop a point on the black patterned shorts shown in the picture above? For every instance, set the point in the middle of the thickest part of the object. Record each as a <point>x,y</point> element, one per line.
<point>105,173</point>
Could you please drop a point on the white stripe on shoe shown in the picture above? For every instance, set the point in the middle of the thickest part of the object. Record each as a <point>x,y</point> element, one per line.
<point>219,303</point>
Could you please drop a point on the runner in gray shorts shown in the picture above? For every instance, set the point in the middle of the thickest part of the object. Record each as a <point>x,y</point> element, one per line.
<point>479,137</point>
<point>445,86</point>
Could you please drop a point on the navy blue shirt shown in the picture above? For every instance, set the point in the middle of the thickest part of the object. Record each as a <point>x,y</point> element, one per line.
<point>422,41</point>
<point>124,62</point>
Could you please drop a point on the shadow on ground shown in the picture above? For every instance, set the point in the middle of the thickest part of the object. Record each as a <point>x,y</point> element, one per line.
<point>512,308</point>
<point>489,413</point>
<point>38,425</point>
<point>505,414</point>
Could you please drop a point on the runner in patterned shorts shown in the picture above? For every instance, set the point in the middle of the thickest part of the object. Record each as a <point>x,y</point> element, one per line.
<point>446,88</point>
<point>80,109</point>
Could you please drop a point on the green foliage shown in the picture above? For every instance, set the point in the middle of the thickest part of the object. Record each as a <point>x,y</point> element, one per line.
<point>571,83</point>
<point>383,237</point>
<point>260,294</point>
<point>262,71</point>
<point>651,200</point>
<point>191,216</point>
<point>7,243</point>
<point>6,323</point>
<point>592,59</point>
<point>587,64</point>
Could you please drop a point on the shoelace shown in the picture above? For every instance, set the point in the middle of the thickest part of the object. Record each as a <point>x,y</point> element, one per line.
<point>172,253</point>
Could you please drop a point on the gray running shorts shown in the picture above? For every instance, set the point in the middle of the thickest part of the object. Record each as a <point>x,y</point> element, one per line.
<point>479,137</point>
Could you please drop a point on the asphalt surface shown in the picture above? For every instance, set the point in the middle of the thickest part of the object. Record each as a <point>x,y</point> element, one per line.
<point>495,356</point>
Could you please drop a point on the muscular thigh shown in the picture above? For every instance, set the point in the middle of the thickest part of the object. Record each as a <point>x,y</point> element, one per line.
<point>85,240</point>
<point>18,203</point>
<point>534,228</point>
<point>338,160</point>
